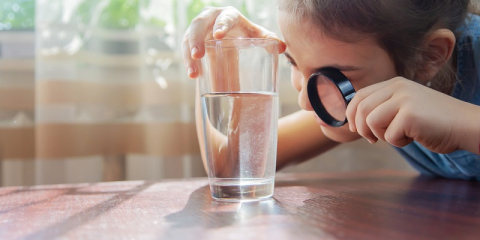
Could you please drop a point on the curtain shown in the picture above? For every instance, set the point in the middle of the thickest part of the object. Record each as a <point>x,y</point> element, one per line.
<point>95,90</point>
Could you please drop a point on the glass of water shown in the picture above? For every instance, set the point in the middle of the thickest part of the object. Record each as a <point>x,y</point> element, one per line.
<point>239,100</point>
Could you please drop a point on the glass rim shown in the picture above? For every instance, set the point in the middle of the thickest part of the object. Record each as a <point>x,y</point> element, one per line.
<point>240,42</point>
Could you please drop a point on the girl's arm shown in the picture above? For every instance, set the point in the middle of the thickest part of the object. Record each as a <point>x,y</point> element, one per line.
<point>299,137</point>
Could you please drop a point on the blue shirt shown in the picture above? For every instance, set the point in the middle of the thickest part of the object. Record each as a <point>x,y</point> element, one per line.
<point>459,164</point>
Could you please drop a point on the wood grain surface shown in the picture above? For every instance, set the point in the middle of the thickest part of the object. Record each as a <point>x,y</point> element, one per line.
<point>356,205</point>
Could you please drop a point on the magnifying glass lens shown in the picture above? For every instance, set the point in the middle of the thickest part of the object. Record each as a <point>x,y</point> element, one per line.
<point>331,98</point>
<point>329,92</point>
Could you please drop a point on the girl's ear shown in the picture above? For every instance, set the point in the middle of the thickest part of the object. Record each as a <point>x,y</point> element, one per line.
<point>438,46</point>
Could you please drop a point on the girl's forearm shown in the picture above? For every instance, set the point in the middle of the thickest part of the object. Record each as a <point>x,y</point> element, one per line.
<point>300,138</point>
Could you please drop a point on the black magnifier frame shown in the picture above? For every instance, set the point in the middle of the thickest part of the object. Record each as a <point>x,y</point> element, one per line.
<point>344,87</point>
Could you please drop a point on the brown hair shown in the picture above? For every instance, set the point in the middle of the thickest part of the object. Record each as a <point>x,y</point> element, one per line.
<point>399,26</point>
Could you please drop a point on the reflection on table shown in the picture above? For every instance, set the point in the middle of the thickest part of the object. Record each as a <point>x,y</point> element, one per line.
<point>357,205</point>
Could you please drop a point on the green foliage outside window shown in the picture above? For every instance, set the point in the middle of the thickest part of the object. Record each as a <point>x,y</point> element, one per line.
<point>196,6</point>
<point>17,14</point>
<point>117,14</point>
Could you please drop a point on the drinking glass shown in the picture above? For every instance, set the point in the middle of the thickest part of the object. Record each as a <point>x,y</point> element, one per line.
<point>239,100</point>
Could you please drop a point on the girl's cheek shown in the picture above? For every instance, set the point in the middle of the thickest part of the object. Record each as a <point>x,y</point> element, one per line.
<point>296,78</point>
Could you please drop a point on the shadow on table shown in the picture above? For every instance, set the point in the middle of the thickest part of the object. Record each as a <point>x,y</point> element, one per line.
<point>202,211</point>
<point>70,191</point>
<point>204,218</point>
<point>363,207</point>
<point>57,230</point>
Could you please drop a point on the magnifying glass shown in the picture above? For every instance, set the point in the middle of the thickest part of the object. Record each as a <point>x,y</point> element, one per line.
<point>329,92</point>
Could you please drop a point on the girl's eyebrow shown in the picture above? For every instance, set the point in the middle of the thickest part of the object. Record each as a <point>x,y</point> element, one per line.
<point>343,68</point>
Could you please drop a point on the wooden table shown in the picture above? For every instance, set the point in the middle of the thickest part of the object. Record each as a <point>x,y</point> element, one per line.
<point>359,205</point>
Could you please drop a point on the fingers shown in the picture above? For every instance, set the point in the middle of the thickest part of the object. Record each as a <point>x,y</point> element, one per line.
<point>193,66</point>
<point>360,95</point>
<point>189,62</point>
<point>365,108</point>
<point>198,30</point>
<point>255,31</point>
<point>375,113</point>
<point>264,33</point>
<point>395,133</point>
<point>231,20</point>
<point>227,20</point>
<point>219,22</point>
<point>386,124</point>
<point>193,47</point>
<point>379,119</point>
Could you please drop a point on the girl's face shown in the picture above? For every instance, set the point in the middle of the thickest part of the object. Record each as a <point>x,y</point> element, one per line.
<point>364,63</point>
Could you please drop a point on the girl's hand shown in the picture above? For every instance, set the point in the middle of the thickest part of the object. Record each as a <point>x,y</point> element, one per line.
<point>400,111</point>
<point>218,23</point>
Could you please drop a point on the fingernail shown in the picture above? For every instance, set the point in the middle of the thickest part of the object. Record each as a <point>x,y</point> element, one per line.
<point>190,71</point>
<point>194,50</point>
<point>221,29</point>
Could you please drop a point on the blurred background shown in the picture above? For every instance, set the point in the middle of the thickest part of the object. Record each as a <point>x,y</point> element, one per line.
<point>95,90</point>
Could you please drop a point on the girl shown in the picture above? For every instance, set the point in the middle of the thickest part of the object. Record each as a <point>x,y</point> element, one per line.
<point>414,65</point>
